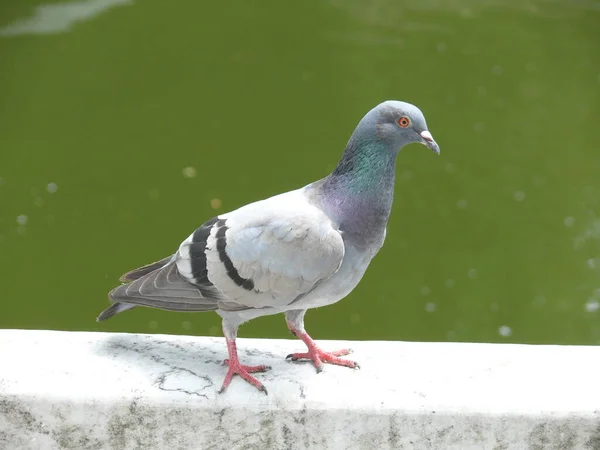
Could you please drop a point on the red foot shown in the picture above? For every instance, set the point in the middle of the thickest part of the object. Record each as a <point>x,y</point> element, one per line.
<point>243,371</point>
<point>318,356</point>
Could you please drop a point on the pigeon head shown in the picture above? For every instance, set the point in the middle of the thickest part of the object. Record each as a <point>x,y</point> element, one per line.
<point>396,124</point>
<point>368,164</point>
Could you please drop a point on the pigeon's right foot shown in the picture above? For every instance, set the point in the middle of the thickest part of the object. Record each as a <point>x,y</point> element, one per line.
<point>317,355</point>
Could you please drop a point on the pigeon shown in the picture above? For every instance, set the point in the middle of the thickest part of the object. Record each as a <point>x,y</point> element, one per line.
<point>294,251</point>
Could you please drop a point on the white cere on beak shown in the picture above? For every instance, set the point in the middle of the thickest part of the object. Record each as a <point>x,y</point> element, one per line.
<point>427,136</point>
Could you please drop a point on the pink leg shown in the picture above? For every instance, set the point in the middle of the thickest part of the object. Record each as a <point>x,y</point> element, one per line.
<point>317,355</point>
<point>235,368</point>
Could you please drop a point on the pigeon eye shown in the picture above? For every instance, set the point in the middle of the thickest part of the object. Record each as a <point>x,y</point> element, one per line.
<point>404,121</point>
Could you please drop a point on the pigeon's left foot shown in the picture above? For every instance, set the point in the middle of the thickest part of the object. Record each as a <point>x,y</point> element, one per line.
<point>318,356</point>
<point>244,372</point>
<point>236,368</point>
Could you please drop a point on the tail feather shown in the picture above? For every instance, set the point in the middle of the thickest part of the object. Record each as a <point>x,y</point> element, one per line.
<point>159,285</point>
<point>162,288</point>
<point>113,309</point>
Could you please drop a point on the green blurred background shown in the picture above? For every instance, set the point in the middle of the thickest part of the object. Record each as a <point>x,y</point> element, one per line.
<point>124,125</point>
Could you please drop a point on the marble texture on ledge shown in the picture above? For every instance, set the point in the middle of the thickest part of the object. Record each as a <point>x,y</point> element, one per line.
<point>81,390</point>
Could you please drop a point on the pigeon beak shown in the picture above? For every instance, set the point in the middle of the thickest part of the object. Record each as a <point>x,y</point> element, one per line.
<point>429,142</point>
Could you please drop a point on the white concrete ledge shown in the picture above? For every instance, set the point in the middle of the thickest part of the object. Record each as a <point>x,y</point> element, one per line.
<point>66,390</point>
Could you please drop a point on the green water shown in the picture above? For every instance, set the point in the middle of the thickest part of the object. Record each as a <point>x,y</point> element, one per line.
<point>109,108</point>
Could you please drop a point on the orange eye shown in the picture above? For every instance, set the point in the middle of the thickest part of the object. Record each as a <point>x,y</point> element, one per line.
<point>404,121</point>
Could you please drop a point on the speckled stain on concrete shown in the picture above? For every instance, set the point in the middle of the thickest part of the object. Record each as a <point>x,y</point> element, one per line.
<point>26,431</point>
<point>593,443</point>
<point>17,424</point>
<point>554,435</point>
<point>140,426</point>
<point>131,392</point>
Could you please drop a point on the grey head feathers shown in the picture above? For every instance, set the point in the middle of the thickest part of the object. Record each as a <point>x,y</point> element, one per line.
<point>385,130</point>
<point>399,124</point>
